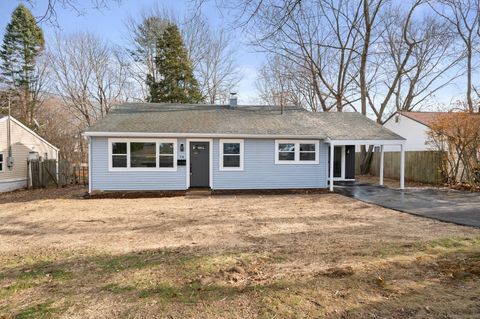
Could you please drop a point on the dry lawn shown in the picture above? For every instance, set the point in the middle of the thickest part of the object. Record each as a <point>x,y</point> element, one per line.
<point>291,256</point>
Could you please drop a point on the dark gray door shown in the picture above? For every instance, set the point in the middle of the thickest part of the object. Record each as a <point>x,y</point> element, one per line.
<point>350,162</point>
<point>199,164</point>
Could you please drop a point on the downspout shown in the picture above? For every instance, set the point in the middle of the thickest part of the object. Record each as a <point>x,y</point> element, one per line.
<point>56,167</point>
<point>9,139</point>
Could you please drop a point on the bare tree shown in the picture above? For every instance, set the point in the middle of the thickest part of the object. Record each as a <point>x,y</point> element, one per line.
<point>78,6</point>
<point>430,68</point>
<point>214,63</point>
<point>273,83</point>
<point>210,51</point>
<point>89,74</point>
<point>321,39</point>
<point>281,83</point>
<point>142,34</point>
<point>60,127</point>
<point>464,18</point>
<point>26,107</point>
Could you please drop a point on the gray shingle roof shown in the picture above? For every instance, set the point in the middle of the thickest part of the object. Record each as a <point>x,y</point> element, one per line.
<point>241,120</point>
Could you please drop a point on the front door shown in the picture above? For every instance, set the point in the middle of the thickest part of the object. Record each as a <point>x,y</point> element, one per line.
<point>199,164</point>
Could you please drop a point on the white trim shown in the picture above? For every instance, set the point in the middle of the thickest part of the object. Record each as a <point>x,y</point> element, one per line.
<point>365,142</point>
<point>89,165</point>
<point>30,131</point>
<point>142,169</point>
<point>297,160</point>
<point>201,135</point>
<point>220,154</point>
<point>382,159</point>
<point>402,167</point>
<point>245,136</point>
<point>2,162</point>
<point>210,159</point>
<point>331,179</point>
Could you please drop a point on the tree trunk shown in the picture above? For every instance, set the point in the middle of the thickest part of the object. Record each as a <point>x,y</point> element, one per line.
<point>469,79</point>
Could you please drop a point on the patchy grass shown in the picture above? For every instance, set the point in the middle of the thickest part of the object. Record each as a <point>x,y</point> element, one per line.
<point>41,310</point>
<point>233,257</point>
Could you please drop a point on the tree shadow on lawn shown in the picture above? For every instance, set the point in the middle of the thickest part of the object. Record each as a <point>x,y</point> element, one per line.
<point>182,279</point>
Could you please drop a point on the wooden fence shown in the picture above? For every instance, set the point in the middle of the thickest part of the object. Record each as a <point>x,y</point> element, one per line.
<point>44,173</point>
<point>422,166</point>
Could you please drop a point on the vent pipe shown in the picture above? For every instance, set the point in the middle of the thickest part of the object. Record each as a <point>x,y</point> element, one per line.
<point>233,99</point>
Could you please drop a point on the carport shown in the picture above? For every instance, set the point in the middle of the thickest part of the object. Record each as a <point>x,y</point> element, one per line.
<point>372,142</point>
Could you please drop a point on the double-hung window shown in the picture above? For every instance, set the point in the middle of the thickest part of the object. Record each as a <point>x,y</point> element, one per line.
<point>1,162</point>
<point>231,155</point>
<point>166,154</point>
<point>296,152</point>
<point>119,154</point>
<point>142,154</point>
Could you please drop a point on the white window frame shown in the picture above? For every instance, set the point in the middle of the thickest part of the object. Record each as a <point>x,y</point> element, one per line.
<point>297,160</point>
<point>3,162</point>
<point>142,169</point>
<point>223,141</point>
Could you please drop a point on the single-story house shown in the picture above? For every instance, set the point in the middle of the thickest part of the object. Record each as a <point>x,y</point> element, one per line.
<point>414,127</point>
<point>17,144</point>
<point>148,146</point>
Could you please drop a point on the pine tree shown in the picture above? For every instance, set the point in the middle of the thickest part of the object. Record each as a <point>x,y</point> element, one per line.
<point>177,83</point>
<point>23,42</point>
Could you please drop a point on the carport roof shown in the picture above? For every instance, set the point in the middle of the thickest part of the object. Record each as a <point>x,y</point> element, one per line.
<point>250,120</point>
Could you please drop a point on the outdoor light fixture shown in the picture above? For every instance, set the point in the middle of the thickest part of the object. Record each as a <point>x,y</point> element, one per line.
<point>182,147</point>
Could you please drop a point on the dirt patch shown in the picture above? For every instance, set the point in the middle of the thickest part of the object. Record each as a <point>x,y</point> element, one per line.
<point>249,256</point>
<point>24,195</point>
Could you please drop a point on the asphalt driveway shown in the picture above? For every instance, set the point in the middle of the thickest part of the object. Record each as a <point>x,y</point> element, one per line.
<point>453,206</point>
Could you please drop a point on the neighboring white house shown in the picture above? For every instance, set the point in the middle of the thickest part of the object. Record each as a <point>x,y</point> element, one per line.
<point>23,142</point>
<point>414,127</point>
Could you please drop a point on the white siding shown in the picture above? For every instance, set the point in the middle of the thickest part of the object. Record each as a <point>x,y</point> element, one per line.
<point>415,133</point>
<point>23,142</point>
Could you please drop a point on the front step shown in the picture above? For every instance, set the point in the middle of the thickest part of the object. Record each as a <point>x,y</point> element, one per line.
<point>198,192</point>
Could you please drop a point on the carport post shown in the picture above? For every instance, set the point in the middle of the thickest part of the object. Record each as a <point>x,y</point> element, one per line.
<point>402,166</point>
<point>381,165</point>
<point>331,167</point>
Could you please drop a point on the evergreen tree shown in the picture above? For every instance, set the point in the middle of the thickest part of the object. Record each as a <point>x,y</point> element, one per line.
<point>23,42</point>
<point>176,83</point>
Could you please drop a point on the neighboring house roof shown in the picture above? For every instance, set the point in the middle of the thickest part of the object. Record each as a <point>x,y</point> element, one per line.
<point>425,118</point>
<point>28,130</point>
<point>223,120</point>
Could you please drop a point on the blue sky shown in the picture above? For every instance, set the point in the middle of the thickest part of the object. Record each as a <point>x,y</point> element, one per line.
<point>109,23</point>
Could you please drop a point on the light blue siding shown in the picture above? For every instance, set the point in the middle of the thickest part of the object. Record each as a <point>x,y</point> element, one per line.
<point>261,172</point>
<point>103,179</point>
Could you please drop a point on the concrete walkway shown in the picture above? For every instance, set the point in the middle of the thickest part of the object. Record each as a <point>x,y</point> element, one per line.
<point>453,206</point>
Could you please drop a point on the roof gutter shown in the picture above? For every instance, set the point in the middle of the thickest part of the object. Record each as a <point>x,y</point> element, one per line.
<point>366,142</point>
<point>202,135</point>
